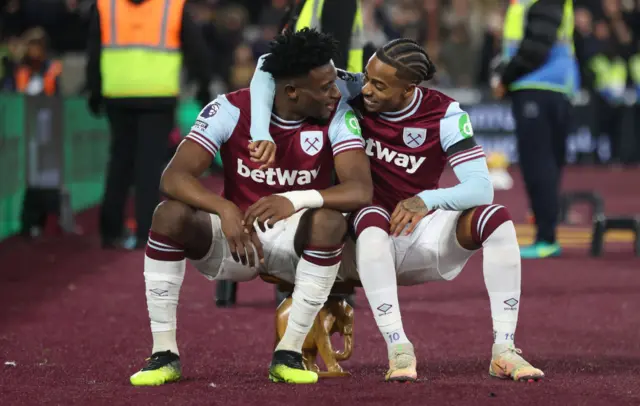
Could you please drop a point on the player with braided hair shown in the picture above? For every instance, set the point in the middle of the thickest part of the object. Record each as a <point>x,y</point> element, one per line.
<point>410,60</point>
<point>416,232</point>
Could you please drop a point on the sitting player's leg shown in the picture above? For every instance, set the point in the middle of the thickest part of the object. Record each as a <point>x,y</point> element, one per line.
<point>377,272</point>
<point>319,239</point>
<point>176,229</point>
<point>491,228</point>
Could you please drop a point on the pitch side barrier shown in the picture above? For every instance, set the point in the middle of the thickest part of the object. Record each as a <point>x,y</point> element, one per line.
<point>53,152</point>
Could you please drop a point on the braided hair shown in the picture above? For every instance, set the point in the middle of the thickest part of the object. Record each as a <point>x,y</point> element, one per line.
<point>409,58</point>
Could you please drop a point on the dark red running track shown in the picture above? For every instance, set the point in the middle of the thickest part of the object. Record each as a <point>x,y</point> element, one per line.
<point>74,327</point>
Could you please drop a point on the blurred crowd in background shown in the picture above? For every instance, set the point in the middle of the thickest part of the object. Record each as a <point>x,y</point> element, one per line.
<point>462,36</point>
<point>44,51</point>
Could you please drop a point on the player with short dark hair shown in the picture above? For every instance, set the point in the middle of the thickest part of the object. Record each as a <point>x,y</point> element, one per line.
<point>286,221</point>
<point>423,232</point>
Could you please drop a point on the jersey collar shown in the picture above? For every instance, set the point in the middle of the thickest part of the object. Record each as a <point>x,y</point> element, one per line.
<point>285,124</point>
<point>407,111</point>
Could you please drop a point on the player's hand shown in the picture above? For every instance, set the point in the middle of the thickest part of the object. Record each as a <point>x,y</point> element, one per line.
<point>268,211</point>
<point>499,91</point>
<point>239,240</point>
<point>409,211</point>
<point>263,152</point>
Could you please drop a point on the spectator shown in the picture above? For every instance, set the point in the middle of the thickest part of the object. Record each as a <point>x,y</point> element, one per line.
<point>12,20</point>
<point>224,34</point>
<point>37,74</point>
<point>11,57</point>
<point>618,26</point>
<point>409,21</point>
<point>261,45</point>
<point>457,58</point>
<point>243,67</point>
<point>585,43</point>
<point>490,48</point>
<point>609,70</point>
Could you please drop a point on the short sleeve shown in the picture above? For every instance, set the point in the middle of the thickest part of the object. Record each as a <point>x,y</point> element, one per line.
<point>455,126</point>
<point>215,124</point>
<point>344,130</point>
<point>456,136</point>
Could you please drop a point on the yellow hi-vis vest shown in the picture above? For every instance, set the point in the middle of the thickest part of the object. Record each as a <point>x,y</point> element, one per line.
<point>560,72</point>
<point>610,77</point>
<point>140,48</point>
<point>634,68</point>
<point>610,74</point>
<point>310,18</point>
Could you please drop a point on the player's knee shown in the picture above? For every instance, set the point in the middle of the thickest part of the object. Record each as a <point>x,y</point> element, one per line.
<point>374,245</point>
<point>327,227</point>
<point>368,217</point>
<point>172,218</point>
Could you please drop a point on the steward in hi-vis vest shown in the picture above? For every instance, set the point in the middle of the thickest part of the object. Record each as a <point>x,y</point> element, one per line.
<point>540,73</point>
<point>544,59</point>
<point>135,54</point>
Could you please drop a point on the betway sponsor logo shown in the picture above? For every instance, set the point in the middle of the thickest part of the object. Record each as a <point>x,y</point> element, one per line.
<point>277,176</point>
<point>410,163</point>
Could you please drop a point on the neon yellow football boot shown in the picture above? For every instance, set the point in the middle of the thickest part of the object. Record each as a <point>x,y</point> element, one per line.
<point>161,368</point>
<point>287,367</point>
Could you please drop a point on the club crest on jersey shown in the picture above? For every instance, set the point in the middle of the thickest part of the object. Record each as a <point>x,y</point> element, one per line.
<point>414,137</point>
<point>311,142</point>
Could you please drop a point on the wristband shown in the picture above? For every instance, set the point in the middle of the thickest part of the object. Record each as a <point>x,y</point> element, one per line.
<point>304,199</point>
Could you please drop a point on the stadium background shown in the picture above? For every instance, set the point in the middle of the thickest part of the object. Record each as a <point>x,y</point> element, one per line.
<point>60,293</point>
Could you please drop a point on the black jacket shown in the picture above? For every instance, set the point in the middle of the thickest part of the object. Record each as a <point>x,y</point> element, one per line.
<point>195,56</point>
<point>337,19</point>
<point>543,20</point>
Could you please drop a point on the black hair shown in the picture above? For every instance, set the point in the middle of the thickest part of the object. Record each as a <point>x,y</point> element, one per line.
<point>294,54</point>
<point>409,58</point>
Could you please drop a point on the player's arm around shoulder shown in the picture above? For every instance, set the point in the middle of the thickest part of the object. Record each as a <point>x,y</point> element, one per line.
<point>355,189</point>
<point>349,83</point>
<point>262,88</point>
<point>262,149</point>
